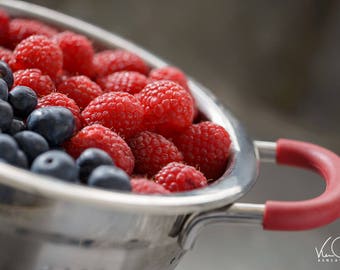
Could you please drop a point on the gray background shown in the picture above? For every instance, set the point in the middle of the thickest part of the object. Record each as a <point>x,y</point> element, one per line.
<point>275,64</point>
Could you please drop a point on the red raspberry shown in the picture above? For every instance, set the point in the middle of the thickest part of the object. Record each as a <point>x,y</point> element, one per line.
<point>107,62</point>
<point>4,26</point>
<point>6,55</point>
<point>152,152</point>
<point>33,78</point>
<point>177,177</point>
<point>77,51</point>
<point>39,52</point>
<point>170,73</point>
<point>105,139</point>
<point>145,186</point>
<point>119,111</point>
<point>57,99</point>
<point>206,146</point>
<point>166,103</point>
<point>81,89</point>
<point>124,81</point>
<point>61,77</point>
<point>20,29</point>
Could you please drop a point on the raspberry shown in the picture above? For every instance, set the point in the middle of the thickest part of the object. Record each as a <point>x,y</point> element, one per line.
<point>145,186</point>
<point>77,51</point>
<point>177,177</point>
<point>170,73</point>
<point>5,55</point>
<point>167,104</point>
<point>152,152</point>
<point>121,112</point>
<point>4,26</point>
<point>107,62</point>
<point>33,78</point>
<point>103,138</point>
<point>124,81</point>
<point>81,89</point>
<point>61,77</point>
<point>39,52</point>
<point>20,29</point>
<point>206,146</point>
<point>57,99</point>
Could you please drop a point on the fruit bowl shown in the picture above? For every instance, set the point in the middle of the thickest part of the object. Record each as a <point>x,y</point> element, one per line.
<point>55,225</point>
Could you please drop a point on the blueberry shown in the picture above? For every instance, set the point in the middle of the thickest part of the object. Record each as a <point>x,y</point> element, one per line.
<point>59,148</point>
<point>55,124</point>
<point>20,160</point>
<point>23,100</point>
<point>8,148</point>
<point>90,159</point>
<point>15,127</point>
<point>110,177</point>
<point>6,74</point>
<point>33,144</point>
<point>56,164</point>
<point>3,90</point>
<point>6,115</point>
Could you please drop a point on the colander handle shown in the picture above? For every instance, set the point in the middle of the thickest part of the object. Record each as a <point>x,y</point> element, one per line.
<point>281,215</point>
<point>313,213</point>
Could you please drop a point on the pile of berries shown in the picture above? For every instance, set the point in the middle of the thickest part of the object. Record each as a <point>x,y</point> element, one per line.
<point>100,118</point>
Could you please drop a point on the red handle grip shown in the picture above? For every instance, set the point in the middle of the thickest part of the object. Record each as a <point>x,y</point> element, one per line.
<point>313,213</point>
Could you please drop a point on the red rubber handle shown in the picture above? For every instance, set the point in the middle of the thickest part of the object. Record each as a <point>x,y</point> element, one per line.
<point>313,213</point>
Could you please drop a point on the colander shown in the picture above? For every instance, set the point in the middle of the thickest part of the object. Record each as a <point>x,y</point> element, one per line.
<point>51,225</point>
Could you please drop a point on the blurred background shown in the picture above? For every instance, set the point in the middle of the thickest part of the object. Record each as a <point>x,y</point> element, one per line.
<point>275,65</point>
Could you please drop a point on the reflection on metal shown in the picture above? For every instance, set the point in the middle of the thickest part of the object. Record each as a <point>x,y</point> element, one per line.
<point>267,151</point>
<point>243,213</point>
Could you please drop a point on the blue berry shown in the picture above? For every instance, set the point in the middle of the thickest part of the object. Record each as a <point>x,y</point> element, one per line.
<point>56,164</point>
<point>23,100</point>
<point>20,160</point>
<point>90,159</point>
<point>6,74</point>
<point>3,90</point>
<point>55,124</point>
<point>8,148</point>
<point>6,115</point>
<point>15,127</point>
<point>59,148</point>
<point>33,144</point>
<point>110,177</point>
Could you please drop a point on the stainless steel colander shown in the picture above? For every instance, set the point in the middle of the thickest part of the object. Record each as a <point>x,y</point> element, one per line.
<point>51,225</point>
